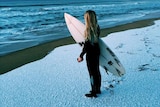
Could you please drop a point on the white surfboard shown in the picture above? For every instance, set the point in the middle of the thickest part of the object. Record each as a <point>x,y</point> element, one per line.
<point>108,60</point>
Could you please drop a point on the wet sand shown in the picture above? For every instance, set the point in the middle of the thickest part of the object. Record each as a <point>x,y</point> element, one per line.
<point>16,59</point>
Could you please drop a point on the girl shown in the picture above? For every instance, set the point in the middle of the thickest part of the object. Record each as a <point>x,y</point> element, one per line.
<point>92,50</point>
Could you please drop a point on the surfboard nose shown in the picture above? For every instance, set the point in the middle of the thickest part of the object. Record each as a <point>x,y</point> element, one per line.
<point>67,17</point>
<point>65,14</point>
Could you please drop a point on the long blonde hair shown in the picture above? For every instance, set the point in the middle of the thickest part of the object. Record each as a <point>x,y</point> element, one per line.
<point>91,26</point>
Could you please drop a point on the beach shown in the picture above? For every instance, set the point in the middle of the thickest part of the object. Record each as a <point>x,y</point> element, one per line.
<point>58,80</point>
<point>38,56</point>
<point>22,57</point>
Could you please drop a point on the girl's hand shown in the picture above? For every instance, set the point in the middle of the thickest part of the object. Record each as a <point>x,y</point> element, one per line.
<point>79,59</point>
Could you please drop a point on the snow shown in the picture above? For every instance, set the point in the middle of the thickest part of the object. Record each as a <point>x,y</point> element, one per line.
<point>58,80</point>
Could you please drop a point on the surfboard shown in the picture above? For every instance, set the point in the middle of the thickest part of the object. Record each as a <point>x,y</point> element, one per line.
<point>108,60</point>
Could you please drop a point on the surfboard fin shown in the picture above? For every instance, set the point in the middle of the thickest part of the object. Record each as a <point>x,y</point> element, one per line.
<point>106,69</point>
<point>119,73</point>
<point>111,52</point>
<point>117,61</point>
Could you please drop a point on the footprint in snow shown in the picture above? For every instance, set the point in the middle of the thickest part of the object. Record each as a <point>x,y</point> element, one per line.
<point>143,67</point>
<point>110,85</point>
<point>119,46</point>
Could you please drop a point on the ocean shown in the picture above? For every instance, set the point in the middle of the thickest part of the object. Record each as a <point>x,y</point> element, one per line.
<point>29,23</point>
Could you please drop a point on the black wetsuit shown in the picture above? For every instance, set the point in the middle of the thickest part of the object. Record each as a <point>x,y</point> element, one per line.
<point>92,51</point>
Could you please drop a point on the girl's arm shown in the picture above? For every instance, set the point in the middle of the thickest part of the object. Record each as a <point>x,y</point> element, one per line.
<point>82,53</point>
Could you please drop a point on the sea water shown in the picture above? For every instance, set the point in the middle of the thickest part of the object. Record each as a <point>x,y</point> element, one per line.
<point>28,23</point>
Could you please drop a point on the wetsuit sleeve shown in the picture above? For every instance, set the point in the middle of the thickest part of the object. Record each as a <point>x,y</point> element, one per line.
<point>83,51</point>
<point>98,31</point>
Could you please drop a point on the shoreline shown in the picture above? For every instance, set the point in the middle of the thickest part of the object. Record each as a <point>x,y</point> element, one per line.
<point>16,59</point>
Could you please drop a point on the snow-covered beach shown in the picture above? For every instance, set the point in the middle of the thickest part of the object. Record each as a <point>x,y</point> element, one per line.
<point>58,80</point>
